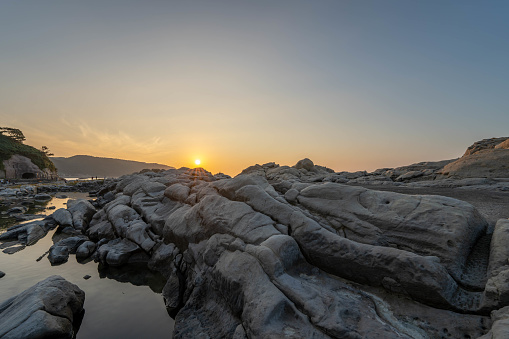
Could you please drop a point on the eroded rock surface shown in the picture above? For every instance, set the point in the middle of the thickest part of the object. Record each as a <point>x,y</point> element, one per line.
<point>281,251</point>
<point>295,252</point>
<point>51,308</point>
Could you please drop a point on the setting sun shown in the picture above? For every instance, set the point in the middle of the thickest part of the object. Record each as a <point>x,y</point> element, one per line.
<point>197,161</point>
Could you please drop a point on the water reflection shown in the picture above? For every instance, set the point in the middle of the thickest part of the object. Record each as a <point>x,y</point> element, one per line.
<point>136,274</point>
<point>119,303</point>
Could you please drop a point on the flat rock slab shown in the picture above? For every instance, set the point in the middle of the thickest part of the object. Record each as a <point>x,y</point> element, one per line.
<point>49,309</point>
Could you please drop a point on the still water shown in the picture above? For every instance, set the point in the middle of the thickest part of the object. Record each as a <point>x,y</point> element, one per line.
<point>119,303</point>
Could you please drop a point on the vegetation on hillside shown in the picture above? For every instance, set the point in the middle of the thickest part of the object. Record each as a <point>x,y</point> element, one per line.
<point>11,142</point>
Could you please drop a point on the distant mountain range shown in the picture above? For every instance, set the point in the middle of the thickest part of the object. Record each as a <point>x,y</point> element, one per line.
<point>84,166</point>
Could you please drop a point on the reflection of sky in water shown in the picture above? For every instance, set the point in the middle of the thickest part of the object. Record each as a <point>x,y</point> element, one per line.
<point>112,309</point>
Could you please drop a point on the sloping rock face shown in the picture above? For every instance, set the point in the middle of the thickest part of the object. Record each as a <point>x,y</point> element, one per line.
<point>278,252</point>
<point>20,167</point>
<point>488,158</point>
<point>50,309</point>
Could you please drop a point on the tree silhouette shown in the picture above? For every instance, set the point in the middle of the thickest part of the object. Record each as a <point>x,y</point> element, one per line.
<point>13,133</point>
<point>46,151</point>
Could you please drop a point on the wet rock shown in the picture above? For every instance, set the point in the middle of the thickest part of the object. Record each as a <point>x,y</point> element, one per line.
<point>17,209</point>
<point>63,217</point>
<point>117,252</point>
<point>14,232</point>
<point>59,253</point>
<point>85,250</point>
<point>42,197</point>
<point>14,249</point>
<point>2,274</point>
<point>35,232</point>
<point>49,309</point>
<point>86,277</point>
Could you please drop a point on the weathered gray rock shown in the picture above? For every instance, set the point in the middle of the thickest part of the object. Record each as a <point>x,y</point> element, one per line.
<point>63,217</point>
<point>500,327</point>
<point>85,250</point>
<point>306,164</point>
<point>18,165</point>
<point>487,158</point>
<point>82,212</point>
<point>17,209</point>
<point>48,309</point>
<point>59,253</point>
<point>287,251</point>
<point>117,252</point>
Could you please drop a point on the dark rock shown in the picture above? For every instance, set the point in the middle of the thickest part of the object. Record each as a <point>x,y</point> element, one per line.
<point>85,250</point>
<point>63,217</point>
<point>2,274</point>
<point>50,309</point>
<point>42,197</point>
<point>87,277</point>
<point>14,249</point>
<point>59,253</point>
<point>117,252</point>
<point>17,210</point>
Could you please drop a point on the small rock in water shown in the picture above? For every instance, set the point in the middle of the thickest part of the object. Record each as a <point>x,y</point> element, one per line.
<point>87,277</point>
<point>2,274</point>
<point>61,196</point>
<point>13,249</point>
<point>51,207</point>
<point>42,197</point>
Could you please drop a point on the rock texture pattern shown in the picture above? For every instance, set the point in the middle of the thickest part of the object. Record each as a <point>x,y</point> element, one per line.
<point>300,251</point>
<point>21,167</point>
<point>488,158</point>
<point>282,251</point>
<point>50,309</point>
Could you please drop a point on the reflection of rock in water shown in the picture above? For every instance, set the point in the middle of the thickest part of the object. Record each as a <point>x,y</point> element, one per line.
<point>136,274</point>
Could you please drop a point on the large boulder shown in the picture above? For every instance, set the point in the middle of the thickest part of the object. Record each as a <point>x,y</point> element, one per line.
<point>51,308</point>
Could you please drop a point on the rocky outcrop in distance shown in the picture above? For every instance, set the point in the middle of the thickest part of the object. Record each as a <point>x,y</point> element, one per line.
<point>21,167</point>
<point>488,158</point>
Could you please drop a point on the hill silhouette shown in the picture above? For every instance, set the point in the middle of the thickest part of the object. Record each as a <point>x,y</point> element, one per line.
<point>88,166</point>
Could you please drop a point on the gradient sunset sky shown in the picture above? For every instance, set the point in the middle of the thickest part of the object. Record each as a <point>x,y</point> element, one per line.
<point>352,85</point>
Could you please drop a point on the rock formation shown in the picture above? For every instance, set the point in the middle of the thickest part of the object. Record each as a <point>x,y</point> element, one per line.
<point>21,167</point>
<point>488,158</point>
<point>296,252</point>
<point>50,309</point>
<point>276,252</point>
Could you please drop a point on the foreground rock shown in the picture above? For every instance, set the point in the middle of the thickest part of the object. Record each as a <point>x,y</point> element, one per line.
<point>278,251</point>
<point>293,251</point>
<point>50,309</point>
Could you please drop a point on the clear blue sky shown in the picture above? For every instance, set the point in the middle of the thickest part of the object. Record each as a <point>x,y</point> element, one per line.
<point>350,84</point>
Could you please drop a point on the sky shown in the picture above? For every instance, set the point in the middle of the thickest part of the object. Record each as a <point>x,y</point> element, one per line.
<point>352,85</point>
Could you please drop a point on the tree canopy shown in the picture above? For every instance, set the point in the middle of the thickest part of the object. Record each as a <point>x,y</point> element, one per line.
<point>13,133</point>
